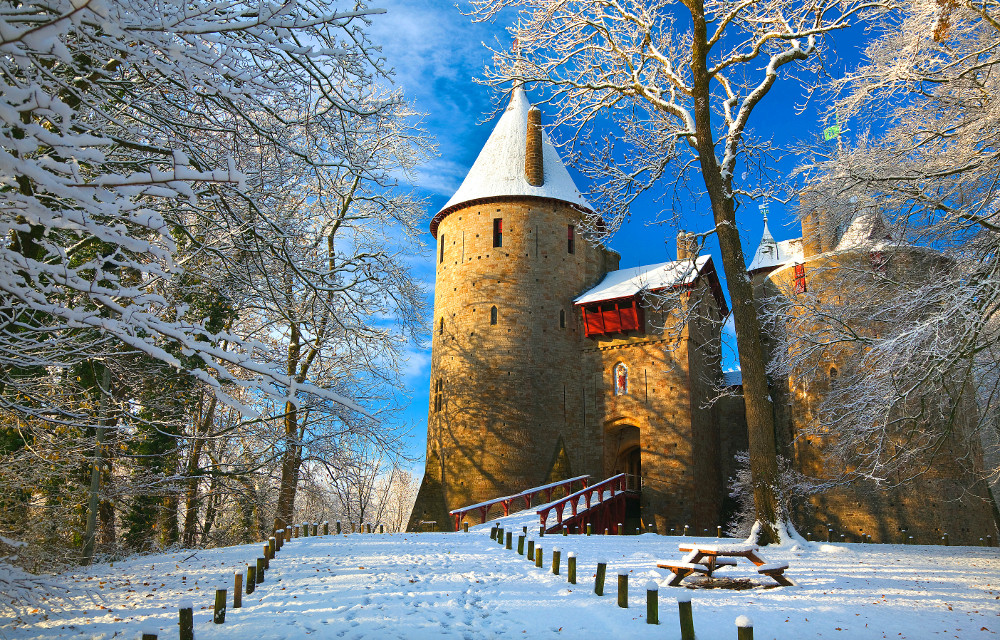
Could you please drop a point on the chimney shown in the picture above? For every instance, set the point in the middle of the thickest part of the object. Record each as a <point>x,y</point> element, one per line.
<point>686,246</point>
<point>811,243</point>
<point>534,171</point>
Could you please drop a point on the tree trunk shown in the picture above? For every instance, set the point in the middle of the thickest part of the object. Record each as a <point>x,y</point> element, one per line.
<point>759,414</point>
<point>191,501</point>
<point>290,460</point>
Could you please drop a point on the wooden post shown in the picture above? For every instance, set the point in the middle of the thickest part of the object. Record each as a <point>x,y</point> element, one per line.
<point>219,613</point>
<point>381,528</point>
<point>147,635</point>
<point>326,528</point>
<point>541,532</point>
<point>687,620</point>
<point>338,527</point>
<point>465,526</point>
<point>272,545</point>
<point>685,530</point>
<point>251,579</point>
<point>510,540</point>
<point>652,603</point>
<point>315,528</point>
<point>555,560</point>
<point>238,590</point>
<point>606,532</point>
<point>602,568</point>
<point>305,529</point>
<point>911,540</point>
<point>186,623</point>
<point>288,534</point>
<point>295,531</point>
<point>538,557</point>
<point>744,628</point>
<point>493,533</point>
<point>829,534</point>
<point>621,529</point>
<point>565,530</point>
<point>520,545</point>
<point>623,589</point>
<point>571,567</point>
<point>267,556</point>
<point>809,535</point>
<point>947,541</point>
<point>279,539</point>
<point>718,531</point>
<point>368,528</point>
<point>989,540</point>
<point>531,550</point>
<point>524,530</point>
<point>590,529</point>
<point>260,570</point>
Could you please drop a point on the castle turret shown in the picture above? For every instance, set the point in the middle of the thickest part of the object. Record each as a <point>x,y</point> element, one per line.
<point>505,366</point>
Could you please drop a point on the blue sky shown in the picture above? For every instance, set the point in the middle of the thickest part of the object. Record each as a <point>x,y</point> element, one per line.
<point>437,54</point>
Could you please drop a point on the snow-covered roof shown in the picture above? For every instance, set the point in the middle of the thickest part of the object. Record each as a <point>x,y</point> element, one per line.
<point>868,230</point>
<point>774,254</point>
<point>499,169</point>
<point>625,283</point>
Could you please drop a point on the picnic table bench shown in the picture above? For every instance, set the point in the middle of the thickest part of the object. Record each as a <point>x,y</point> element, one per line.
<point>707,558</point>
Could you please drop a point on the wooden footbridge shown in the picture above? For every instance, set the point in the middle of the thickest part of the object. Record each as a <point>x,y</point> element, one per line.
<point>601,505</point>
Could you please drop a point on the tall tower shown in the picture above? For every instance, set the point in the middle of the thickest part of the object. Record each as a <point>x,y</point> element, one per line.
<point>505,368</point>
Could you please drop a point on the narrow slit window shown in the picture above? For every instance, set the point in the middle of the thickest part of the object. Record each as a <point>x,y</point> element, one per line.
<point>497,232</point>
<point>441,327</point>
<point>570,239</point>
<point>441,255</point>
<point>493,315</point>
<point>562,318</point>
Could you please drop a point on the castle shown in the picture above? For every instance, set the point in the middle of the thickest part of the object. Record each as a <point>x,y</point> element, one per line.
<point>548,361</point>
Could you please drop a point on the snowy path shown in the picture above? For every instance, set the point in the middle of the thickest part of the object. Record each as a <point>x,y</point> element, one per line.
<point>467,586</point>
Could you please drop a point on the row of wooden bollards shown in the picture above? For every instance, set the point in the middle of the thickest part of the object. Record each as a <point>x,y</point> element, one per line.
<point>526,547</point>
<point>255,575</point>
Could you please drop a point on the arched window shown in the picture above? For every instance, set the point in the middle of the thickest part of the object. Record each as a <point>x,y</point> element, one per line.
<point>621,379</point>
<point>493,315</point>
<point>562,318</point>
<point>833,375</point>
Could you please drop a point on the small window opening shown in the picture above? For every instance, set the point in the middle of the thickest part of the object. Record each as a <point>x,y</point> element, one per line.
<point>493,315</point>
<point>441,327</point>
<point>621,379</point>
<point>571,239</point>
<point>833,374</point>
<point>562,318</point>
<point>438,395</point>
<point>497,232</point>
<point>441,256</point>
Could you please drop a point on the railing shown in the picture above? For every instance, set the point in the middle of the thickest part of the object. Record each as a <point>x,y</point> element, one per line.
<point>612,484</point>
<point>506,501</point>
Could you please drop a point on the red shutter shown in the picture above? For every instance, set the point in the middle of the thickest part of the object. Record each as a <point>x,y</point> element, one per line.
<point>800,278</point>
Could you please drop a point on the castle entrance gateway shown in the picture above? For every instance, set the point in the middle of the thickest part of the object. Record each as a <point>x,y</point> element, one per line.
<point>623,454</point>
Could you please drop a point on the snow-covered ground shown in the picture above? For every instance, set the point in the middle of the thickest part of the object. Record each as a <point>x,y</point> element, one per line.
<point>458,585</point>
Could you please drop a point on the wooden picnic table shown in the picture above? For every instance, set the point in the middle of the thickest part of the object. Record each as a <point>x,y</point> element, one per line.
<point>707,558</point>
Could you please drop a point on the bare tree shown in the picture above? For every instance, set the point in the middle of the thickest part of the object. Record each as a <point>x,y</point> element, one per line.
<point>921,156</point>
<point>680,80</point>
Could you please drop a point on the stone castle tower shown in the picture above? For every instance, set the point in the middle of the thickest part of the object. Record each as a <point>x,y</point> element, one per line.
<point>549,362</point>
<point>829,267</point>
<point>546,362</point>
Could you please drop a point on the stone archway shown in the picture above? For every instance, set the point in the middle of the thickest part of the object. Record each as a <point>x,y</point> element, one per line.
<point>623,453</point>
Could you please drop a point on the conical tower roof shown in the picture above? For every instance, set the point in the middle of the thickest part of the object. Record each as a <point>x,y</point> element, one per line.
<point>771,254</point>
<point>498,172</point>
<point>868,230</point>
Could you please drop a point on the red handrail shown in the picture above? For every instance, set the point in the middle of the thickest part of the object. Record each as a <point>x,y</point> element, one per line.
<point>613,483</point>
<point>506,501</point>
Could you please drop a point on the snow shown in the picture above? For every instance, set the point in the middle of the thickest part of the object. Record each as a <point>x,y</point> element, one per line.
<point>499,169</point>
<point>868,230</point>
<point>774,254</point>
<point>626,283</point>
<point>457,585</point>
